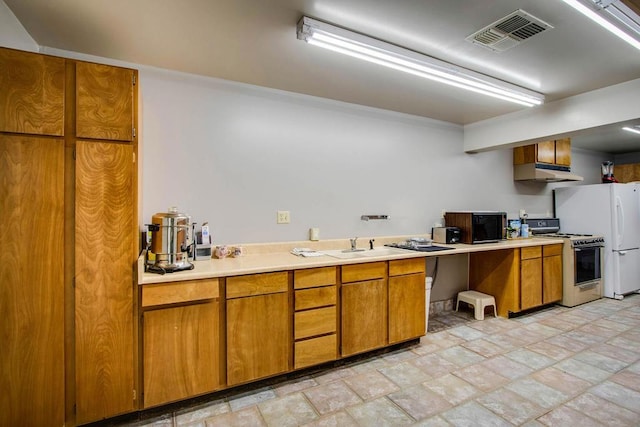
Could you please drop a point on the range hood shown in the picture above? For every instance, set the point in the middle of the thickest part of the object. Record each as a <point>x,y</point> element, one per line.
<point>543,172</point>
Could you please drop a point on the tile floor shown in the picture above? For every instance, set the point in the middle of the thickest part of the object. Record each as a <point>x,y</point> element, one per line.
<point>556,367</point>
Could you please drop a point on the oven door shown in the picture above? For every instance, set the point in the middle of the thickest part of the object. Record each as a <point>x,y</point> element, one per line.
<point>588,265</point>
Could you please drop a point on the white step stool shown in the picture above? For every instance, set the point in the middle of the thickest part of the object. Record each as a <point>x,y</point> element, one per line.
<point>479,301</point>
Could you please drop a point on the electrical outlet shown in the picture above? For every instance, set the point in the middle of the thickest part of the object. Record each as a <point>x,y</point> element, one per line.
<point>283,217</point>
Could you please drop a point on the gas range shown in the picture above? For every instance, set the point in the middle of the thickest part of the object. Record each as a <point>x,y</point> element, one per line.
<point>577,240</point>
<point>550,227</point>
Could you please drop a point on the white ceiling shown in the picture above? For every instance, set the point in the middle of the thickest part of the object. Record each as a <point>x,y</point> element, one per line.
<point>255,42</point>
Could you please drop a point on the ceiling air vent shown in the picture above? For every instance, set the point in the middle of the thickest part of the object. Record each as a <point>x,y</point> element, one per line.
<point>509,31</point>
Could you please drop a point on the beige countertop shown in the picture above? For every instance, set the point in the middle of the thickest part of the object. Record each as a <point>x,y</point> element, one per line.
<point>263,258</point>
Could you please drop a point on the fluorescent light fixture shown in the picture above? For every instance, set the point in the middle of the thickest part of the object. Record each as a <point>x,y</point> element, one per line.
<point>635,129</point>
<point>398,58</point>
<point>613,15</point>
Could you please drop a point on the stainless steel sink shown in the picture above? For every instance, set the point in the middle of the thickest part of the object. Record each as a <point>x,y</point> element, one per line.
<point>366,253</point>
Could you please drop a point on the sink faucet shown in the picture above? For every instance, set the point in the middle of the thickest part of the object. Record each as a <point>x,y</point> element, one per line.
<point>371,244</point>
<point>353,243</point>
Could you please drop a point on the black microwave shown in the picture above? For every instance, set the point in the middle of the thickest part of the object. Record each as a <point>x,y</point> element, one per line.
<point>478,227</point>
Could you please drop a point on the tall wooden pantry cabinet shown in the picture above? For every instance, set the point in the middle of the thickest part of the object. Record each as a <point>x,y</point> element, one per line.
<point>68,179</point>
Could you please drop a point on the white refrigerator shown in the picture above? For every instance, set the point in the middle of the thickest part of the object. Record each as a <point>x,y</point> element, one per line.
<point>612,211</point>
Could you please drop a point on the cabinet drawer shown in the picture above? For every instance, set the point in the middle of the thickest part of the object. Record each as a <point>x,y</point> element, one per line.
<point>314,322</point>
<point>531,252</point>
<point>257,284</point>
<point>172,293</point>
<point>315,297</point>
<point>407,266</point>
<point>360,272</point>
<point>315,351</point>
<point>314,277</point>
<point>551,250</point>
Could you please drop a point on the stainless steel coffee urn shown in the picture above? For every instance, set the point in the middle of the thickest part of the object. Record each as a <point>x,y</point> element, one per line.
<point>171,241</point>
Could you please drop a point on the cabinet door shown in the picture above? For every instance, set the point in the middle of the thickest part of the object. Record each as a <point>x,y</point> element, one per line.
<point>627,173</point>
<point>546,152</point>
<point>530,283</point>
<point>364,316</point>
<point>258,337</point>
<point>552,274</point>
<point>104,102</point>
<point>563,152</point>
<point>406,307</point>
<point>181,358</point>
<point>104,260</point>
<point>31,280</point>
<point>32,93</point>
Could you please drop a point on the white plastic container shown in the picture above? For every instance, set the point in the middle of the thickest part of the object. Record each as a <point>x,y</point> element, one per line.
<point>427,301</point>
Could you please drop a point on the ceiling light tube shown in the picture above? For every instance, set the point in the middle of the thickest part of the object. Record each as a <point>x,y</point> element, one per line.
<point>368,49</point>
<point>628,23</point>
<point>632,129</point>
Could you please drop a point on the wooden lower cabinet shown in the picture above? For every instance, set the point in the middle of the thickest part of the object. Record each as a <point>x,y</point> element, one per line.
<point>364,316</point>
<point>406,307</point>
<point>519,279</point>
<point>181,348</point>
<point>258,327</point>
<point>530,277</point>
<point>31,280</point>
<point>551,273</point>
<point>407,303</point>
<point>316,316</point>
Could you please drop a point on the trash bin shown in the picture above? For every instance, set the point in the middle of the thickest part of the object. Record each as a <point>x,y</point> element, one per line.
<point>427,301</point>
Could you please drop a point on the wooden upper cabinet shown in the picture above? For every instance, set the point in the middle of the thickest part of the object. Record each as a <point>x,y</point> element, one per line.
<point>556,152</point>
<point>31,93</point>
<point>627,173</point>
<point>563,152</point>
<point>104,102</point>
<point>546,152</point>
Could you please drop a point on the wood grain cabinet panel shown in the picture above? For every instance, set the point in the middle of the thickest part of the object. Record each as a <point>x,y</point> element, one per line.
<point>184,291</point>
<point>546,152</point>
<point>530,283</point>
<point>104,288</point>
<point>314,322</point>
<point>315,297</point>
<point>627,173</point>
<point>364,316</point>
<point>315,350</point>
<point>31,280</point>
<point>104,102</point>
<point>497,273</point>
<point>406,266</point>
<point>181,352</point>
<point>563,152</point>
<point>313,277</point>
<point>258,337</point>
<point>257,284</point>
<point>366,271</point>
<point>552,274</point>
<point>406,307</point>
<point>31,93</point>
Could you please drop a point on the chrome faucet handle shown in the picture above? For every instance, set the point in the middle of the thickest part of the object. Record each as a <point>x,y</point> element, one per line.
<point>353,243</point>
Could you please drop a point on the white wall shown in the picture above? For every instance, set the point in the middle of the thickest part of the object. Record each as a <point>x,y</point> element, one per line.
<point>12,33</point>
<point>234,154</point>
